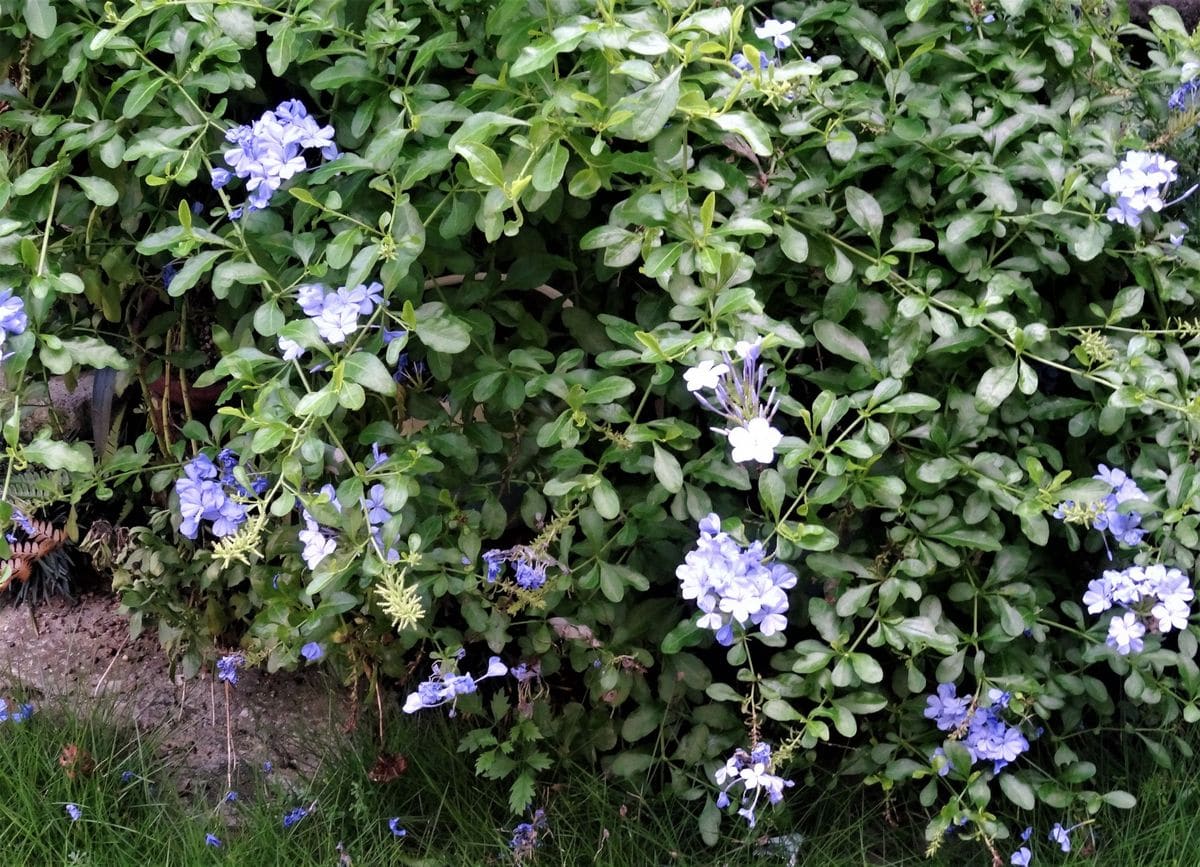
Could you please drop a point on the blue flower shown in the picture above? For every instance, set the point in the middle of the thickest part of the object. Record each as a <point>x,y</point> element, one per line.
<point>13,319</point>
<point>752,771</point>
<point>312,651</point>
<point>739,397</point>
<point>291,349</point>
<point>378,457</point>
<point>212,840</point>
<point>732,585</point>
<point>1062,836</point>
<point>269,151</point>
<point>946,709</point>
<point>525,835</point>
<point>230,797</point>
<point>1138,182</point>
<point>317,546</point>
<point>22,713</point>
<point>227,669</point>
<point>268,767</point>
<point>529,564</point>
<point>1021,857</point>
<point>1184,96</point>
<point>447,686</point>
<point>293,816</point>
<point>336,312</point>
<point>377,515</point>
<point>205,495</point>
<point>394,827</point>
<point>126,776</point>
<point>74,811</point>
<point>777,32</point>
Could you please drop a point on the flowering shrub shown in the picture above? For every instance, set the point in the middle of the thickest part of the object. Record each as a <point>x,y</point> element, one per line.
<point>865,290</point>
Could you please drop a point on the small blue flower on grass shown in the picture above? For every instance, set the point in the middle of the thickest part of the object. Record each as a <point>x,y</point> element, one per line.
<point>230,797</point>
<point>293,816</point>
<point>74,811</point>
<point>394,827</point>
<point>212,840</point>
<point>446,686</point>
<point>227,667</point>
<point>751,770</point>
<point>1062,836</point>
<point>312,651</point>
<point>525,835</point>
<point>268,767</point>
<point>126,776</point>
<point>1021,857</point>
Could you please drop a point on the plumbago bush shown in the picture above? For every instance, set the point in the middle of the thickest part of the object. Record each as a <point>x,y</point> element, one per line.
<point>721,393</point>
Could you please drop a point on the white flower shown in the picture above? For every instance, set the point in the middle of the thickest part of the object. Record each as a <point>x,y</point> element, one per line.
<point>777,31</point>
<point>291,349</point>
<point>1125,633</point>
<point>754,441</point>
<point>1171,614</point>
<point>748,348</point>
<point>706,374</point>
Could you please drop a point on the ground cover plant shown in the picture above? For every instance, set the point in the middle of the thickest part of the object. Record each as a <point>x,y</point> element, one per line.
<point>724,395</point>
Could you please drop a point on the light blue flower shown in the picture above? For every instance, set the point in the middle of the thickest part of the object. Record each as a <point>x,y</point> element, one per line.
<point>777,32</point>
<point>291,817</point>
<point>1021,857</point>
<point>312,651</point>
<point>447,686</point>
<point>212,840</point>
<point>394,827</point>
<point>74,811</point>
<point>732,585</point>
<point>13,319</point>
<point>227,670</point>
<point>1062,836</point>
<point>317,545</point>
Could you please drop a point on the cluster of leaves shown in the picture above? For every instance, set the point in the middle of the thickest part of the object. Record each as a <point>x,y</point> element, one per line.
<point>566,207</point>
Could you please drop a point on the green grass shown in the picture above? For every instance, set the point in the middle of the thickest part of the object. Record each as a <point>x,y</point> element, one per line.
<point>455,818</point>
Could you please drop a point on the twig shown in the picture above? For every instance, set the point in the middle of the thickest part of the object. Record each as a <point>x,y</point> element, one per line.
<point>111,663</point>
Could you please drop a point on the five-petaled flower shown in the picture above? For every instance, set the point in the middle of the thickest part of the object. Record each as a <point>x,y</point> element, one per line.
<point>776,31</point>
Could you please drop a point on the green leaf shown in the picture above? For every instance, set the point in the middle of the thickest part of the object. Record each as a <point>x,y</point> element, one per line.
<point>32,179</point>
<point>915,9</point>
<point>439,330</point>
<point>793,243</point>
<point>641,722</point>
<point>1018,791</point>
<point>865,211</point>
<point>608,390</point>
<point>995,386</point>
<point>966,227</point>
<point>1119,799</point>
<point>40,18</point>
<point>483,162</point>
<point>685,634</point>
<point>667,470</point>
<point>520,796</point>
<point>534,57</point>
<point>750,128</point>
<point>98,190</point>
<point>55,455</point>
<point>868,670</point>
<point>851,601</point>
<point>369,372</point>
<point>841,342</point>
<point>651,108</point>
<point>140,95</point>
<point>319,403</point>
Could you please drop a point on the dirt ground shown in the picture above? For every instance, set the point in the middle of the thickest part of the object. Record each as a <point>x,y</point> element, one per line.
<point>81,654</point>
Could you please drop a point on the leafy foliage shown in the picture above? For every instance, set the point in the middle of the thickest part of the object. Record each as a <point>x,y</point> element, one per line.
<point>566,209</point>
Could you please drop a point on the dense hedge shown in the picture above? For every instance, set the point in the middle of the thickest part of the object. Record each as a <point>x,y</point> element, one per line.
<point>843,332</point>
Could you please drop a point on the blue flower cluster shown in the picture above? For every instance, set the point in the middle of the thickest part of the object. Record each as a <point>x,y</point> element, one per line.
<point>335,312</point>
<point>291,817</point>
<point>317,543</point>
<point>530,567</point>
<point>207,493</point>
<point>21,713</point>
<point>1138,182</point>
<point>270,150</point>
<point>738,396</point>
<point>1184,96</point>
<point>13,319</point>
<point>447,686</point>
<point>731,584</point>
<point>227,669</point>
<point>1023,855</point>
<point>525,836</point>
<point>1124,526</point>
<point>985,735</point>
<point>1155,598</point>
<point>751,770</point>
